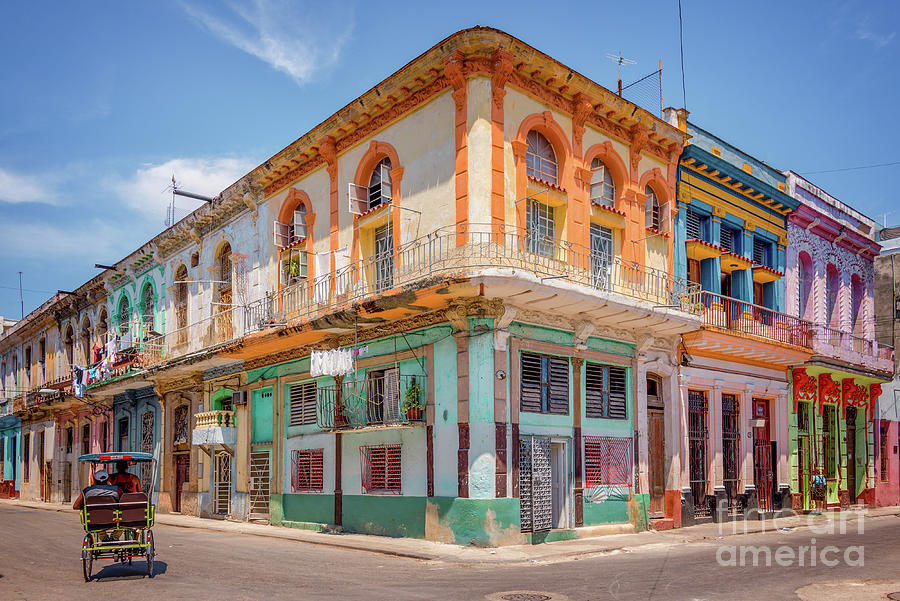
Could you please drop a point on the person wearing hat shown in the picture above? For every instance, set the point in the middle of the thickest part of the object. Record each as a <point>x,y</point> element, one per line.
<point>100,488</point>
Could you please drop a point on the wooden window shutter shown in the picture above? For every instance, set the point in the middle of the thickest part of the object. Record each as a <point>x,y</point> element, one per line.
<point>559,386</point>
<point>530,387</point>
<point>302,398</point>
<point>595,390</point>
<point>618,393</point>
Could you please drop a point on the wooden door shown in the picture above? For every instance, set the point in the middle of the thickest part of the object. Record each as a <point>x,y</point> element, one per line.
<point>182,475</point>
<point>657,448</point>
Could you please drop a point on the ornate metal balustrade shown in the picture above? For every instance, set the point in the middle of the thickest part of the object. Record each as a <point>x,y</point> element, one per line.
<point>384,400</point>
<point>482,251</point>
<point>746,318</point>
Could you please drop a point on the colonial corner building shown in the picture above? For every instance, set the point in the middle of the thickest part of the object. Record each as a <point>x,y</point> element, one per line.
<point>562,315</point>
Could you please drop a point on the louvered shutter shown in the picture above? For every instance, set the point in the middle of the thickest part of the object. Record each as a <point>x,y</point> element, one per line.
<point>391,395</point>
<point>692,222</point>
<point>359,199</point>
<point>530,383</point>
<point>559,386</point>
<point>302,398</point>
<point>595,389</point>
<point>387,190</point>
<point>618,393</point>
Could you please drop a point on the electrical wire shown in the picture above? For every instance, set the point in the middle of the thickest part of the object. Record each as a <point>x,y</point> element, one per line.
<point>873,166</point>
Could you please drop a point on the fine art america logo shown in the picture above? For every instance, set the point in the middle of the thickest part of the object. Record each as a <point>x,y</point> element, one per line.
<point>811,553</point>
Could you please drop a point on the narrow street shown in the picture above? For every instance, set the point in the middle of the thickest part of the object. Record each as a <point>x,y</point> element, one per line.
<point>41,561</point>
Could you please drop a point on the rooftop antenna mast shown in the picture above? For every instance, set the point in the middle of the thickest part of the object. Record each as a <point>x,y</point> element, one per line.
<point>620,60</point>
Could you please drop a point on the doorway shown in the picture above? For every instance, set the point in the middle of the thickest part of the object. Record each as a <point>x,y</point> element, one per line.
<point>763,475</point>
<point>559,484</point>
<point>656,445</point>
<point>259,485</point>
<point>851,454</point>
<point>222,483</point>
<point>182,475</point>
<point>67,482</point>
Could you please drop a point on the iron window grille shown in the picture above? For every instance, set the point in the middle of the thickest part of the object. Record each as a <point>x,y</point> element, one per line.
<point>603,189</point>
<point>180,434</point>
<point>540,227</point>
<point>607,461</point>
<point>307,470</point>
<point>302,400</point>
<point>731,448</point>
<point>540,159</point>
<point>544,384</point>
<point>384,257</point>
<point>698,434</point>
<point>381,469</point>
<point>605,391</point>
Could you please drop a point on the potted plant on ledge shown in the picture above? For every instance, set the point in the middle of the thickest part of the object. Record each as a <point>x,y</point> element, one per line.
<point>413,403</point>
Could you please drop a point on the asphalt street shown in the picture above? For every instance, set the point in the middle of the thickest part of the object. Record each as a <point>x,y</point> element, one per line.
<point>40,560</point>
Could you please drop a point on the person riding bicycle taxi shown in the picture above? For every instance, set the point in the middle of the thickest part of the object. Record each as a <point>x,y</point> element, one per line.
<point>123,479</point>
<point>100,488</point>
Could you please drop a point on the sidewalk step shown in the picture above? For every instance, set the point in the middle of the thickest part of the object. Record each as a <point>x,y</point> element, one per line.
<point>660,524</point>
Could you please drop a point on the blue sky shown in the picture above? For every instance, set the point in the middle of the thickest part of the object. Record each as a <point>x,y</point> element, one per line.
<point>100,102</point>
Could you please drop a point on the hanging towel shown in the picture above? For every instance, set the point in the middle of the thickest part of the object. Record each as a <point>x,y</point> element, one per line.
<point>323,277</point>
<point>342,274</point>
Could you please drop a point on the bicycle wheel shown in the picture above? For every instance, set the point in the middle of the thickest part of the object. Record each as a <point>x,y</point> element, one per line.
<point>151,552</point>
<point>87,557</point>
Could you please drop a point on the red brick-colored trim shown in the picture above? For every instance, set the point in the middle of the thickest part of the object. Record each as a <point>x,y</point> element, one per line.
<point>501,67</point>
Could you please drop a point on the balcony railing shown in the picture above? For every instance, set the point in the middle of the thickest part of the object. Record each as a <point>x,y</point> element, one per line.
<point>746,318</point>
<point>853,349</point>
<point>389,400</point>
<point>439,255</point>
<point>224,326</point>
<point>214,419</point>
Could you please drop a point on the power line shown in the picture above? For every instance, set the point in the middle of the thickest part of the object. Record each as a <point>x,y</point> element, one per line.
<point>26,289</point>
<point>852,168</point>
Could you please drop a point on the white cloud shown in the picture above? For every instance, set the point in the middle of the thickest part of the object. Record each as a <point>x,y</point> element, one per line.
<point>145,190</point>
<point>20,188</point>
<point>290,37</point>
<point>864,33</point>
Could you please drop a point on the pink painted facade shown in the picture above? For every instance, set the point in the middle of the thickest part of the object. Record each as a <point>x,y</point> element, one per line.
<point>78,432</point>
<point>830,276</point>
<point>887,464</point>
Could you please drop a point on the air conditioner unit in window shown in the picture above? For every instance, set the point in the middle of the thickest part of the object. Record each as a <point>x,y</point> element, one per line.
<point>239,397</point>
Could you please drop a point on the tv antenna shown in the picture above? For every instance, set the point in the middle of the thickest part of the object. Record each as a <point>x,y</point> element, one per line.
<point>620,60</point>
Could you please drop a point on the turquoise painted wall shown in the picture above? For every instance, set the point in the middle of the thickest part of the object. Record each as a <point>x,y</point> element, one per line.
<point>479,522</point>
<point>316,508</point>
<point>388,515</point>
<point>261,416</point>
<point>445,431</point>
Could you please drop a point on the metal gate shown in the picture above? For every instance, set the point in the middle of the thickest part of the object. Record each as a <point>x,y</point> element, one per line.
<point>147,447</point>
<point>535,483</point>
<point>222,492</point>
<point>698,433</point>
<point>804,454</point>
<point>762,470</point>
<point>259,485</point>
<point>731,450</point>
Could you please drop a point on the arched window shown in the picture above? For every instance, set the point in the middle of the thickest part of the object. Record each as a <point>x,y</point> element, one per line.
<point>181,296</point>
<point>651,208</point>
<point>298,224</point>
<point>857,293</point>
<point>147,309</point>
<point>124,316</point>
<point>223,262</point>
<point>102,326</point>
<point>603,190</point>
<point>832,285</point>
<point>380,185</point>
<point>805,287</point>
<point>540,159</point>
<point>69,343</point>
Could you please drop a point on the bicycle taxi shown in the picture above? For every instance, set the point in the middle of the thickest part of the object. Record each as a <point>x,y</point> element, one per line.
<point>118,530</point>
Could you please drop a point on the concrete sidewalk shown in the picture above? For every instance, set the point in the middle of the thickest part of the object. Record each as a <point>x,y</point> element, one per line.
<point>542,553</point>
